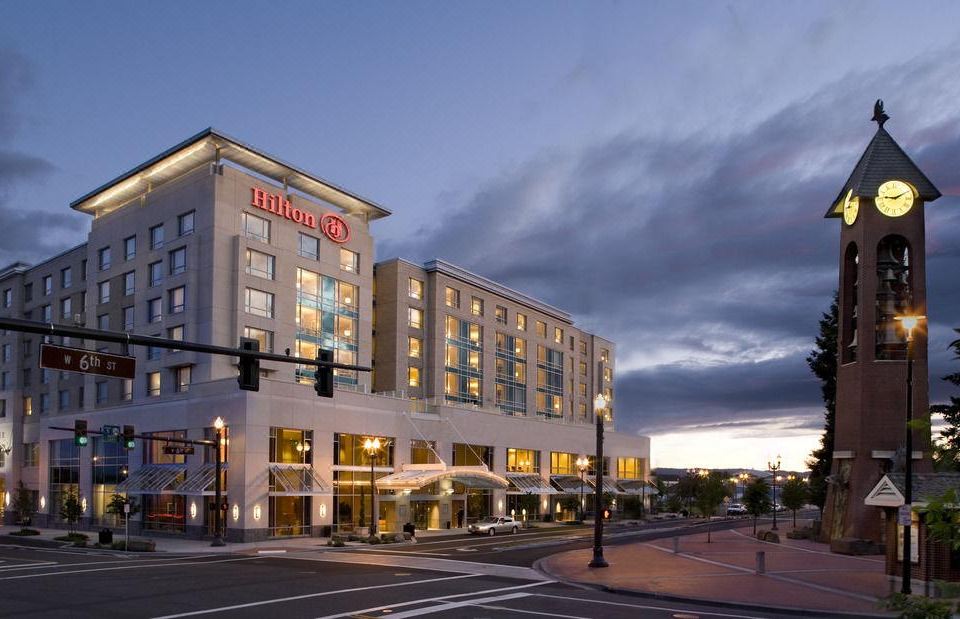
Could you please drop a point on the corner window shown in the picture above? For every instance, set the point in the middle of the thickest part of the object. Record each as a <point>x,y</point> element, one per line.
<point>156,237</point>
<point>415,288</point>
<point>185,223</point>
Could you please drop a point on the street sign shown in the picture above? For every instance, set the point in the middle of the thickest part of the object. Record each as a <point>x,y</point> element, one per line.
<point>111,434</point>
<point>904,517</point>
<point>86,361</point>
<point>178,450</point>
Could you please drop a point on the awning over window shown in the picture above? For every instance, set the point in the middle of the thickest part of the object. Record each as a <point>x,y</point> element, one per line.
<point>153,479</point>
<point>296,480</point>
<point>416,476</point>
<point>633,486</point>
<point>200,482</point>
<point>570,484</point>
<point>609,485</point>
<point>528,483</point>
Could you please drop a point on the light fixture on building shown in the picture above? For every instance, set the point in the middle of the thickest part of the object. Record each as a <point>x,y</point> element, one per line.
<point>546,504</point>
<point>193,510</point>
<point>6,499</point>
<point>235,512</point>
<point>83,505</point>
<point>323,510</point>
<point>256,512</point>
<point>500,506</point>
<point>43,503</point>
<point>303,447</point>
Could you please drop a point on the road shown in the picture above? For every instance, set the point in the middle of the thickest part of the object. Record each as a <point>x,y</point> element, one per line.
<point>456,576</point>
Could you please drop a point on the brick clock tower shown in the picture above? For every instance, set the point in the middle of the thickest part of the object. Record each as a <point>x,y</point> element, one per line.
<point>881,276</point>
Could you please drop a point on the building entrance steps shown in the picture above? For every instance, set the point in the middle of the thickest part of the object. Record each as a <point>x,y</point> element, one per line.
<point>798,574</point>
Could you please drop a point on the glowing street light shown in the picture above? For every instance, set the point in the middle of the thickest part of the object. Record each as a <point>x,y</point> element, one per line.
<point>372,446</point>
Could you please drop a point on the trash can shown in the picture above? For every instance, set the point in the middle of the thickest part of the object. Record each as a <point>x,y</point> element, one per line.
<point>106,537</point>
<point>410,528</point>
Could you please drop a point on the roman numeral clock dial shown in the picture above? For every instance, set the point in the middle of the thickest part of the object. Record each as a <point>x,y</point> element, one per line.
<point>894,198</point>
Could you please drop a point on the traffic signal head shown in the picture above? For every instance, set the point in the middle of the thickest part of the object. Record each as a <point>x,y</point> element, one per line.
<point>324,374</point>
<point>80,438</point>
<point>128,441</point>
<point>249,377</point>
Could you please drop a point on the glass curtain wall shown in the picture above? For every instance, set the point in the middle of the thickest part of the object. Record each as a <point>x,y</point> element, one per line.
<point>549,382</point>
<point>64,474</point>
<point>511,380</point>
<point>164,512</point>
<point>478,501</point>
<point>464,361</point>
<point>110,464</point>
<point>290,515</point>
<point>327,318</point>
<point>351,488</point>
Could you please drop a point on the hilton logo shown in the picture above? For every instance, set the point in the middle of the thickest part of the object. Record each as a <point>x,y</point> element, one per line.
<point>333,226</point>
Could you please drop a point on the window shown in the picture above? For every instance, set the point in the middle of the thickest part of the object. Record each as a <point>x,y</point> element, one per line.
<point>604,355</point>
<point>176,299</point>
<point>255,228</point>
<point>8,297</point>
<point>258,303</point>
<point>7,355</point>
<point>521,321</point>
<point>185,223</point>
<point>178,261</point>
<point>349,260</point>
<point>415,344</point>
<point>130,248</point>
<point>66,277</point>
<point>48,313</point>
<point>476,306</point>
<point>452,296</point>
<point>583,368</point>
<point>583,347</point>
<point>4,380</point>
<point>413,376</point>
<point>175,333</point>
<point>264,337</point>
<point>183,376</point>
<point>127,389</point>
<point>47,284</point>
<point>260,264</point>
<point>28,292</point>
<point>415,288</point>
<point>153,352</point>
<point>102,392</point>
<point>415,318</point>
<point>129,283</point>
<point>44,376</point>
<point>63,399</point>
<point>66,308</point>
<point>153,384</point>
<point>27,406</point>
<point>83,270</point>
<point>541,329</point>
<point>156,273</point>
<point>558,335</point>
<point>309,246</point>
<point>156,237</point>
<point>154,310</point>
<point>583,390</point>
<point>103,322</point>
<point>128,318</point>
<point>103,258</point>
<point>501,314</point>
<point>3,409</point>
<point>608,374</point>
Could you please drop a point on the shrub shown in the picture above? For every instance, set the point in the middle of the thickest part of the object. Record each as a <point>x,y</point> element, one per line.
<point>72,537</point>
<point>919,607</point>
<point>25,531</point>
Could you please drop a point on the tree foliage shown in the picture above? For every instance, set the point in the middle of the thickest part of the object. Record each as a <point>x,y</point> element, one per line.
<point>71,509</point>
<point>23,504</point>
<point>756,498</point>
<point>710,492</point>
<point>947,453</point>
<point>794,495</point>
<point>823,364</point>
<point>943,519</point>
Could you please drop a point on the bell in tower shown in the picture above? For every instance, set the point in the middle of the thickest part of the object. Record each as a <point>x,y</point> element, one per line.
<point>882,276</point>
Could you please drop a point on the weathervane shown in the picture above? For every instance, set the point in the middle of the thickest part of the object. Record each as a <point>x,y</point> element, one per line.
<point>879,116</point>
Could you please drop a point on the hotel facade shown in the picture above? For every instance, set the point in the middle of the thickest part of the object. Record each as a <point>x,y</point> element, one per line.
<point>481,396</point>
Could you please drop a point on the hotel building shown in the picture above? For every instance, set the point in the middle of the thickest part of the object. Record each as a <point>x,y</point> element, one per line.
<point>481,395</point>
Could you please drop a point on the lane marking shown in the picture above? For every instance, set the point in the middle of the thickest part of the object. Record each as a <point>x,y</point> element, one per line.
<point>307,596</point>
<point>125,567</point>
<point>389,607</point>
<point>427,563</point>
<point>405,552</point>
<point>643,606</point>
<point>56,564</point>
<point>528,612</point>
<point>451,605</point>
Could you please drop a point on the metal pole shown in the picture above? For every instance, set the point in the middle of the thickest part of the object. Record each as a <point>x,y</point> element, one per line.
<point>582,471</point>
<point>775,497</point>
<point>218,491</point>
<point>908,470</point>
<point>373,498</point>
<point>598,560</point>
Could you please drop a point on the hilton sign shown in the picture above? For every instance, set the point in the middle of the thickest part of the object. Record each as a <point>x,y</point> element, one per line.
<point>333,226</point>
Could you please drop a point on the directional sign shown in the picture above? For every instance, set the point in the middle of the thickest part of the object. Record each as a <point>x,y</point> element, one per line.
<point>86,361</point>
<point>178,450</point>
<point>111,434</point>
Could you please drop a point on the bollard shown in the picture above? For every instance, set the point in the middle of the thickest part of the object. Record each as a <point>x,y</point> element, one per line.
<point>761,562</point>
<point>676,545</point>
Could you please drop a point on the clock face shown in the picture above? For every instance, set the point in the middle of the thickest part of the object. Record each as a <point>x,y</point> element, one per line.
<point>894,198</point>
<point>851,206</point>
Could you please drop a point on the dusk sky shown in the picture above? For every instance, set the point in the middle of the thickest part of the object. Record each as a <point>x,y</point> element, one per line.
<point>659,169</point>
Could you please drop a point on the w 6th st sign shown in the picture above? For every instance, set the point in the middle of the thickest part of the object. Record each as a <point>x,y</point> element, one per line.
<point>86,361</point>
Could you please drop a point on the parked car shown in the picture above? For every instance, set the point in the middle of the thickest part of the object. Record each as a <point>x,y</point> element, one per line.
<point>736,509</point>
<point>494,525</point>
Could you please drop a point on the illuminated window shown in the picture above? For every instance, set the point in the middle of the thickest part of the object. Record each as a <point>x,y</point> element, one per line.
<point>127,389</point>
<point>558,335</point>
<point>27,405</point>
<point>349,260</point>
<point>541,329</point>
<point>413,376</point>
<point>415,288</point>
<point>523,460</point>
<point>604,355</point>
<point>476,306</point>
<point>153,384</point>
<point>608,374</point>
<point>521,321</point>
<point>501,315</point>
<point>415,318</point>
<point>452,296</point>
<point>183,375</point>
<point>264,337</point>
<point>415,346</point>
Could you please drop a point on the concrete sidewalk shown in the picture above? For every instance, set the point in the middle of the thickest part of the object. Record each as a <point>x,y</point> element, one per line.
<point>799,575</point>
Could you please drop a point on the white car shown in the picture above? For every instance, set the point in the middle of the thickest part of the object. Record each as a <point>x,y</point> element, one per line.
<point>736,509</point>
<point>494,525</point>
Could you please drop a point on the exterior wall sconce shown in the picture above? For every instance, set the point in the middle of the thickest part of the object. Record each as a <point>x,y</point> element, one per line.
<point>256,512</point>
<point>235,512</point>
<point>193,511</point>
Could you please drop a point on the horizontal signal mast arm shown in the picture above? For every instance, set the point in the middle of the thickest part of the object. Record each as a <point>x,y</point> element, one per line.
<point>43,328</point>
<point>146,437</point>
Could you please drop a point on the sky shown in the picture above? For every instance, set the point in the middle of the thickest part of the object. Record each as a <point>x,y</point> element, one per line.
<point>658,169</point>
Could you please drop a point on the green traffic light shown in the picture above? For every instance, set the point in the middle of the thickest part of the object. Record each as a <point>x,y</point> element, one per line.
<point>130,444</point>
<point>81,441</point>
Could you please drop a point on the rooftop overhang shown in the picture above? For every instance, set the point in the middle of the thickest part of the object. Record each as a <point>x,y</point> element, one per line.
<point>210,146</point>
<point>416,476</point>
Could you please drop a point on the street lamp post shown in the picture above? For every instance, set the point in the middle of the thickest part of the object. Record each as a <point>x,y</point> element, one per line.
<point>582,463</point>
<point>774,466</point>
<point>372,446</point>
<point>909,324</point>
<point>218,485</point>
<point>599,406</point>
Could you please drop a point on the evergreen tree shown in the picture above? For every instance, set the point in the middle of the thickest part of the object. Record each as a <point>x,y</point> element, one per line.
<point>947,452</point>
<point>823,363</point>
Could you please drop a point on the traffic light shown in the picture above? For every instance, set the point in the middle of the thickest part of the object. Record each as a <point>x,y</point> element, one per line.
<point>324,374</point>
<point>80,438</point>
<point>128,441</point>
<point>249,377</point>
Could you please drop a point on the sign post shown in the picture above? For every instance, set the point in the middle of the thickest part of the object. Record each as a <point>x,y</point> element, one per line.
<point>126,525</point>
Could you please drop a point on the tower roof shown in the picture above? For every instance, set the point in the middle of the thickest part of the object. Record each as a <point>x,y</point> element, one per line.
<point>883,160</point>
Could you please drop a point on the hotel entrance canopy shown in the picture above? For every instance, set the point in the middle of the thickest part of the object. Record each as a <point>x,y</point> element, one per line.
<point>416,476</point>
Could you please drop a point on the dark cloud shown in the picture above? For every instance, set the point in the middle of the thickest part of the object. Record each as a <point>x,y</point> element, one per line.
<point>706,256</point>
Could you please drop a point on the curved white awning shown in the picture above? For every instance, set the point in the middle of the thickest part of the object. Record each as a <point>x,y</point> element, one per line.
<point>415,476</point>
